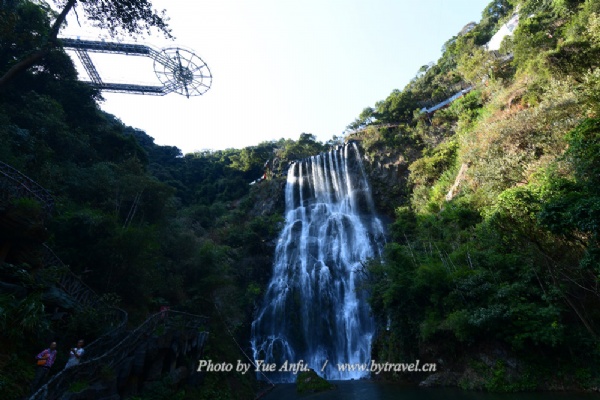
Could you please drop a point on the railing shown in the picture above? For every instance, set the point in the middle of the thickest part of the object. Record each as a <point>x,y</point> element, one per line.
<point>70,283</point>
<point>112,318</point>
<point>23,186</point>
<point>17,184</point>
<point>447,101</point>
<point>115,319</point>
<point>376,126</point>
<point>111,347</point>
<point>448,91</point>
<point>103,364</point>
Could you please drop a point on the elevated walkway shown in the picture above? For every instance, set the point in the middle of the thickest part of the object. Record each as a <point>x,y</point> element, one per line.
<point>112,347</point>
<point>178,70</point>
<point>108,355</point>
<point>446,102</point>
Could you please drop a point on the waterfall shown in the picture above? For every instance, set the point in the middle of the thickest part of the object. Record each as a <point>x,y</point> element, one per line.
<point>314,310</point>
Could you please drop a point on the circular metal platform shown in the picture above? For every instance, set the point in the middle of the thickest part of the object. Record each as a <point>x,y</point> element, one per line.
<point>181,71</point>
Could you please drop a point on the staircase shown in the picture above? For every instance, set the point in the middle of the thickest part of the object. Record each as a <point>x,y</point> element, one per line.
<point>108,355</point>
<point>116,344</point>
<point>17,185</point>
<point>83,295</point>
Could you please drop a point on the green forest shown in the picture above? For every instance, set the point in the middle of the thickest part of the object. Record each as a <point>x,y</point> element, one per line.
<point>492,264</point>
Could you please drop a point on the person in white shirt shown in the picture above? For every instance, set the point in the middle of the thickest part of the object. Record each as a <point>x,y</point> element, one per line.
<point>75,354</point>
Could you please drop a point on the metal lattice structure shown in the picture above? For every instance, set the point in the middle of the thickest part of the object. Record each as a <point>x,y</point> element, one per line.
<point>116,353</point>
<point>112,347</point>
<point>14,184</point>
<point>179,70</point>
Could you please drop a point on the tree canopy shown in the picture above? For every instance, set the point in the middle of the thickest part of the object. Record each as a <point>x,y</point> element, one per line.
<point>31,46</point>
<point>493,204</point>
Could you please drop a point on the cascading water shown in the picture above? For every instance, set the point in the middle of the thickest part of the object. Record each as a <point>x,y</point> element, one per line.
<point>314,310</point>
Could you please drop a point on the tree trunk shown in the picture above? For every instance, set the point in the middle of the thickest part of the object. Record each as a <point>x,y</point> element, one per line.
<point>38,55</point>
<point>22,66</point>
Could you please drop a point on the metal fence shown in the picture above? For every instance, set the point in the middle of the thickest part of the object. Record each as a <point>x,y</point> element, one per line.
<point>114,345</point>
<point>18,185</point>
<point>103,364</point>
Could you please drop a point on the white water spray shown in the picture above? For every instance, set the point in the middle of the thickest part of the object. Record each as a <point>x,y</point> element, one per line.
<point>313,309</point>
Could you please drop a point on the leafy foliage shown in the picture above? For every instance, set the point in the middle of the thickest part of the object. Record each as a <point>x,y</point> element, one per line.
<point>129,16</point>
<point>501,253</point>
<point>142,223</point>
<point>493,245</point>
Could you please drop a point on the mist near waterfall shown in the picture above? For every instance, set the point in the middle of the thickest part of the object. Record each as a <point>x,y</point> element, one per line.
<point>314,310</point>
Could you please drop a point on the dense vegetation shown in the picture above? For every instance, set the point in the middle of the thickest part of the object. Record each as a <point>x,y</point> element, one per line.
<point>141,224</point>
<point>492,269</point>
<point>492,265</point>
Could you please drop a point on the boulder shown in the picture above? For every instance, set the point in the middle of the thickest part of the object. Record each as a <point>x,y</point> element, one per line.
<point>310,382</point>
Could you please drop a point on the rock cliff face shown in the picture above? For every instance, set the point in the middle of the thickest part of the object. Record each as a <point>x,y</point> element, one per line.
<point>268,197</point>
<point>388,176</point>
<point>174,353</point>
<point>387,170</point>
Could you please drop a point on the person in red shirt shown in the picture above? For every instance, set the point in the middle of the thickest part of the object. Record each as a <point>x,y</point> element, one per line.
<point>45,360</point>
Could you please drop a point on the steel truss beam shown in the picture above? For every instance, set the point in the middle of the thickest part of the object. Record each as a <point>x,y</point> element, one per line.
<point>192,79</point>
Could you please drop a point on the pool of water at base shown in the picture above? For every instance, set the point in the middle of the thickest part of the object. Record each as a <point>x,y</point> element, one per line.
<point>371,390</point>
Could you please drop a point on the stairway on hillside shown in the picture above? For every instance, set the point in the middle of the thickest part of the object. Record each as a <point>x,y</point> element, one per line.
<point>117,354</point>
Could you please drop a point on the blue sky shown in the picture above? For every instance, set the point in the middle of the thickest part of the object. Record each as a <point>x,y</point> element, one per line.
<point>280,67</point>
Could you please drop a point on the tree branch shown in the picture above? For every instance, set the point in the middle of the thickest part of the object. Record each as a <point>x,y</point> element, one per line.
<point>21,66</point>
<point>59,21</point>
<point>38,55</point>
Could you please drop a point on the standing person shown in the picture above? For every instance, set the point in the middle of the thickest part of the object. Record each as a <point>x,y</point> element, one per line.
<point>44,361</point>
<point>75,354</point>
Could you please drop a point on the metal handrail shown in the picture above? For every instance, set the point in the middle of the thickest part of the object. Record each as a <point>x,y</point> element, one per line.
<point>113,318</point>
<point>113,346</point>
<point>95,367</point>
<point>24,186</point>
<point>69,282</point>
